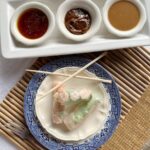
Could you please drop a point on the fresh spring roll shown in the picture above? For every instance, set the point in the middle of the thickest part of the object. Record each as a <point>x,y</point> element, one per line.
<point>80,113</point>
<point>76,98</point>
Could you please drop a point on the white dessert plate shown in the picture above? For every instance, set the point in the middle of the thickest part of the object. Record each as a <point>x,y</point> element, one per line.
<point>91,125</point>
<point>57,43</point>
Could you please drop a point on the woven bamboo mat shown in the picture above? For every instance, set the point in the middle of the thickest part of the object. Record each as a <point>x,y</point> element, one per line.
<point>134,132</point>
<point>130,68</point>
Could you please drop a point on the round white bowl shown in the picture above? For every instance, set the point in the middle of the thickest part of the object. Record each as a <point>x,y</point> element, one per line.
<point>14,28</point>
<point>128,33</point>
<point>89,6</point>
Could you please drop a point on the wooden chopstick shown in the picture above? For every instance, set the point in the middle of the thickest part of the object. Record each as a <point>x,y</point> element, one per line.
<point>67,75</point>
<point>73,75</point>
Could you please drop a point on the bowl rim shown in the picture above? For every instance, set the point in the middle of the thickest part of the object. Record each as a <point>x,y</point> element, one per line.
<point>28,5</point>
<point>130,32</point>
<point>88,5</point>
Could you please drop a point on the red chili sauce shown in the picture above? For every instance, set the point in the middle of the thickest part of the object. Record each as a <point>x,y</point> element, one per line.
<point>33,23</point>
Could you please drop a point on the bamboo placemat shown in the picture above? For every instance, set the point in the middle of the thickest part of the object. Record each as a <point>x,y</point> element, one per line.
<point>134,132</point>
<point>130,68</point>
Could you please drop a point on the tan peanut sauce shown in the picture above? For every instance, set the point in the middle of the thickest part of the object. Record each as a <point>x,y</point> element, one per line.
<point>124,15</point>
<point>78,21</point>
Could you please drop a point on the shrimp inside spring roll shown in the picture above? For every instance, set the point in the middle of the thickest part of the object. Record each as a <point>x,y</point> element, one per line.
<point>71,108</point>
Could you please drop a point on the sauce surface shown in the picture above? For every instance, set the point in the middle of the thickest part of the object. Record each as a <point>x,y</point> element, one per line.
<point>124,15</point>
<point>78,21</point>
<point>33,23</point>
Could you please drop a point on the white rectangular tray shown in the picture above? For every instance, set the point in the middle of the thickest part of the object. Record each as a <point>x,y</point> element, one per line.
<point>58,44</point>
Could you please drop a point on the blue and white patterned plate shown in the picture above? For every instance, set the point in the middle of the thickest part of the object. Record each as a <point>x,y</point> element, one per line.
<point>50,142</point>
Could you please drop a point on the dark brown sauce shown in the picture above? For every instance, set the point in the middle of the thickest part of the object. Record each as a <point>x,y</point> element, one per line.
<point>33,23</point>
<point>78,21</point>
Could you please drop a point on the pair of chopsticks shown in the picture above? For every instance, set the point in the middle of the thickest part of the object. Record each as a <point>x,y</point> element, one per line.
<point>72,76</point>
<point>68,75</point>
